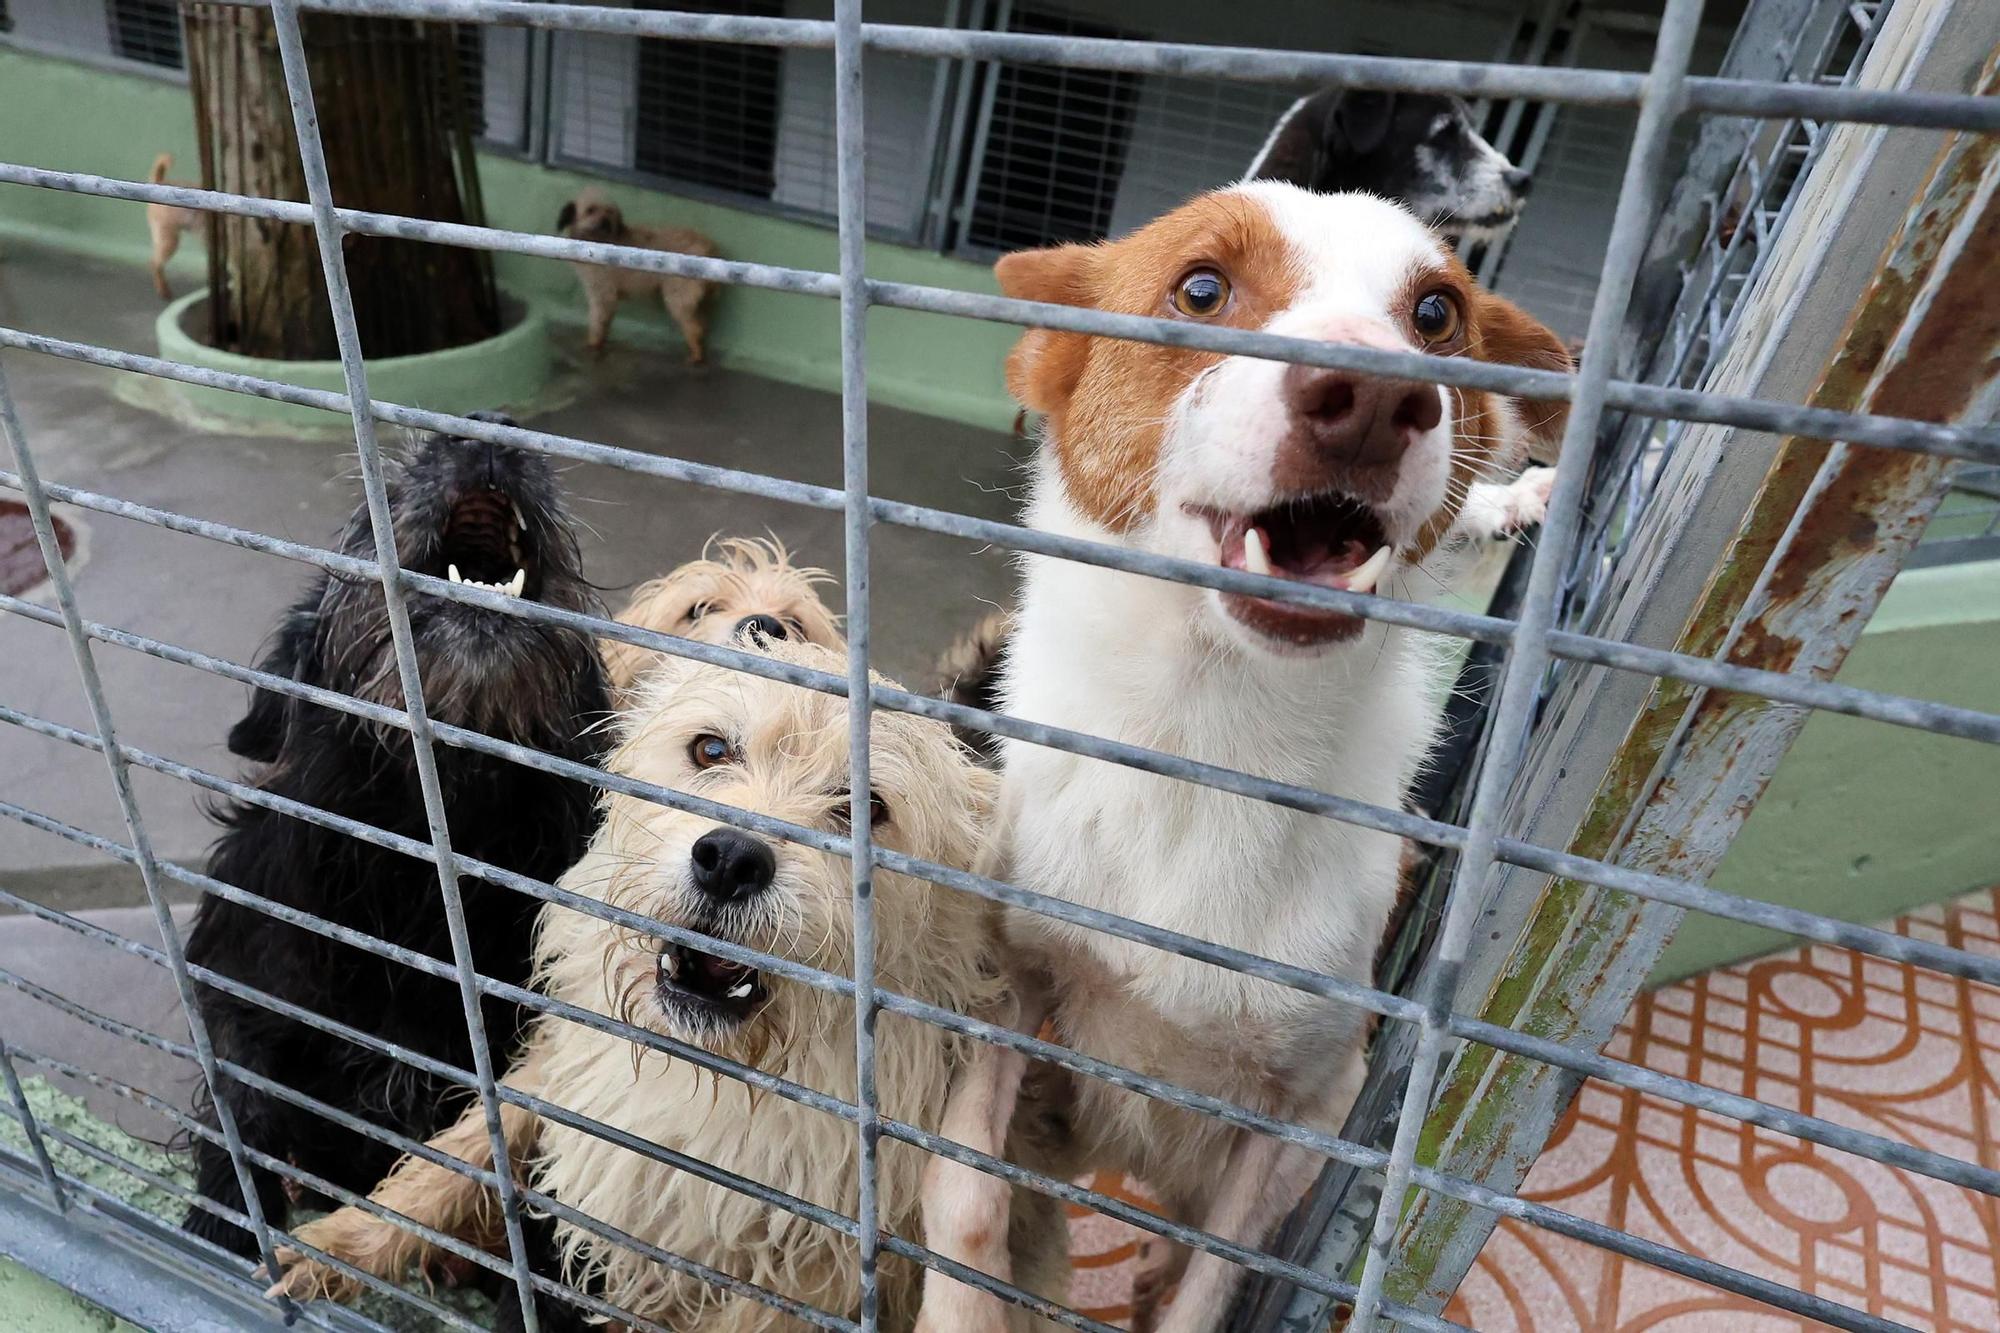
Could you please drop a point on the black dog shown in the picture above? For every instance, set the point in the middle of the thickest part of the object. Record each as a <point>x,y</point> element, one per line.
<point>471,512</point>
<point>1420,149</point>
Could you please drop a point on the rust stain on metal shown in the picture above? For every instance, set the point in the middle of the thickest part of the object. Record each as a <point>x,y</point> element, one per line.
<point>1807,555</point>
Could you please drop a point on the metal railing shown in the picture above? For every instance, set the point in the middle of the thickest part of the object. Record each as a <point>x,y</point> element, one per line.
<point>1531,643</point>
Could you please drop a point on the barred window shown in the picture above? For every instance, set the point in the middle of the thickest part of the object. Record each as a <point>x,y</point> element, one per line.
<point>146,30</point>
<point>707,112</point>
<point>1055,145</point>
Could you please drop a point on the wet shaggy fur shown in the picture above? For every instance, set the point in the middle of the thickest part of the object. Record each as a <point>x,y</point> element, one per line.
<point>788,759</point>
<point>513,679</point>
<point>713,600</point>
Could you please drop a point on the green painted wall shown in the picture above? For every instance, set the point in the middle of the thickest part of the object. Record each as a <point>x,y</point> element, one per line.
<point>1864,821</point>
<point>68,116</point>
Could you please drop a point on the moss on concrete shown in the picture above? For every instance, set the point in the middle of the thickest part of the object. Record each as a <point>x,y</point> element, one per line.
<point>31,1304</point>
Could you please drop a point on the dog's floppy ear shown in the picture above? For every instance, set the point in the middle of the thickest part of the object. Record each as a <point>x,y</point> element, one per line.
<point>1357,123</point>
<point>567,218</point>
<point>1509,335</point>
<point>260,736</point>
<point>1045,365</point>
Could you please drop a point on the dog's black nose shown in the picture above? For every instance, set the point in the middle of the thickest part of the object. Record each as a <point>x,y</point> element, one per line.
<point>760,628</point>
<point>1518,181</point>
<point>729,864</point>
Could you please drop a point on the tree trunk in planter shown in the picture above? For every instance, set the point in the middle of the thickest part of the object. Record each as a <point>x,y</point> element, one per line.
<point>397,124</point>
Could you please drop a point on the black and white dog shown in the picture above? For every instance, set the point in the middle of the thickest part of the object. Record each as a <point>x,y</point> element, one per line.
<point>471,512</point>
<point>1419,149</point>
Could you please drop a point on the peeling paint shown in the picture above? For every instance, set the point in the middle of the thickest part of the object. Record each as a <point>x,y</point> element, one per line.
<point>1821,541</point>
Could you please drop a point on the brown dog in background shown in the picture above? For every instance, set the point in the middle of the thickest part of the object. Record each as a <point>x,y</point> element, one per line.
<point>591,216</point>
<point>743,591</point>
<point>166,222</point>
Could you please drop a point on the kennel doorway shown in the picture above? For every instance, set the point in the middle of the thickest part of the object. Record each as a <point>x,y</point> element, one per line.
<point>1661,660</point>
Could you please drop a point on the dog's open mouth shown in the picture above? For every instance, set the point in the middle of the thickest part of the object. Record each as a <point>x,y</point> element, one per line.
<point>1332,540</point>
<point>708,990</point>
<point>487,545</point>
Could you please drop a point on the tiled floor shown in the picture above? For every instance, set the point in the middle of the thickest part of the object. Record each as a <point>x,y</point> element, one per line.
<point>1896,1051</point>
<point>1893,1050</point>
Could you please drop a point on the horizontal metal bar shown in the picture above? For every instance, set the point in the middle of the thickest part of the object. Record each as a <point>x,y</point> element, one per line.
<point>366,1128</point>
<point>1978,443</point>
<point>1591,1064</point>
<point>1699,897</point>
<point>1901,948</point>
<point>1539,1215</point>
<point>1533,1214</point>
<point>999,1288</point>
<point>1803,691</point>
<point>1472,79</point>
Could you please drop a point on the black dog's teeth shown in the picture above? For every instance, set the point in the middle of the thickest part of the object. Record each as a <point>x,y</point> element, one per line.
<point>482,542</point>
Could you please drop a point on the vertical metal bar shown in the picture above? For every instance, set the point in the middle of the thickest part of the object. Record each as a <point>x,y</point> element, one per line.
<point>327,232</point>
<point>1529,660</point>
<point>850,143</point>
<point>135,826</point>
<point>31,1128</point>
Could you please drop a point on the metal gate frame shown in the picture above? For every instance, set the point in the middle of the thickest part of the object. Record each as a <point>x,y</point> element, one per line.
<point>1725,680</point>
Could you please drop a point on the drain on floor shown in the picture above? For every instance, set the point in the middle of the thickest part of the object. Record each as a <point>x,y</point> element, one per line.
<point>21,568</point>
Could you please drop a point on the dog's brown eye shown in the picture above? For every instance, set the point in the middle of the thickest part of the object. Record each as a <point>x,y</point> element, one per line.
<point>1437,317</point>
<point>700,609</point>
<point>1201,293</point>
<point>708,751</point>
<point>878,809</point>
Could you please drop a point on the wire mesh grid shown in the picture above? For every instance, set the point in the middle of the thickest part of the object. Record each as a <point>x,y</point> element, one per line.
<point>1532,643</point>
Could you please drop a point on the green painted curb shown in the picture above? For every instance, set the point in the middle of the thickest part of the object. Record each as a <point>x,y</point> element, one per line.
<point>508,370</point>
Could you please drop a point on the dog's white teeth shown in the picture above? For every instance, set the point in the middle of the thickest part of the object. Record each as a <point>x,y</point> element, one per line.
<point>1364,578</point>
<point>740,991</point>
<point>517,583</point>
<point>520,520</point>
<point>451,572</point>
<point>1256,559</point>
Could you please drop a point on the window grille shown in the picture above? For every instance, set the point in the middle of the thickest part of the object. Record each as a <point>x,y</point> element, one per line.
<point>1854,441</point>
<point>147,31</point>
<point>1052,151</point>
<point>707,112</point>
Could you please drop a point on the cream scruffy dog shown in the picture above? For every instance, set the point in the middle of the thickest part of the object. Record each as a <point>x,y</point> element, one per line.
<point>591,216</point>
<point>742,592</point>
<point>781,751</point>
<point>1321,476</point>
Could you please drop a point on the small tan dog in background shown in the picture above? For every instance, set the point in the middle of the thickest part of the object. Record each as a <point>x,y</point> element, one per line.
<point>780,750</point>
<point>743,592</point>
<point>591,216</point>
<point>166,222</point>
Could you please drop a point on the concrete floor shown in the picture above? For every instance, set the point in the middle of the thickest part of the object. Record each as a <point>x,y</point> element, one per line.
<point>100,429</point>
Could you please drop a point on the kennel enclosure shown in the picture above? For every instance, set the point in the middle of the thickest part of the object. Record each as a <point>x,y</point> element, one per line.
<point>1663,655</point>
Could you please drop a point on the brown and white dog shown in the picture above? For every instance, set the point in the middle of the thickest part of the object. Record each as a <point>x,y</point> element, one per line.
<point>166,222</point>
<point>1308,474</point>
<point>591,216</point>
<point>743,591</point>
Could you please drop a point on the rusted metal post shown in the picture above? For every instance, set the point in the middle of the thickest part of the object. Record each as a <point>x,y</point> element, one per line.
<point>1827,530</point>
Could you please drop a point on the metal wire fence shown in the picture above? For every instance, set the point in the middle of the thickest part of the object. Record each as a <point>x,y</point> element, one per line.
<point>1483,843</point>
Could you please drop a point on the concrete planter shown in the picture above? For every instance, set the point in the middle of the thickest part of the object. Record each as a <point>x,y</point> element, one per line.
<point>508,369</point>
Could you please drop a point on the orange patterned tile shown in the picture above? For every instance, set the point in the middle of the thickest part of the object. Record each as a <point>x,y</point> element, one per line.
<point>1893,1050</point>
